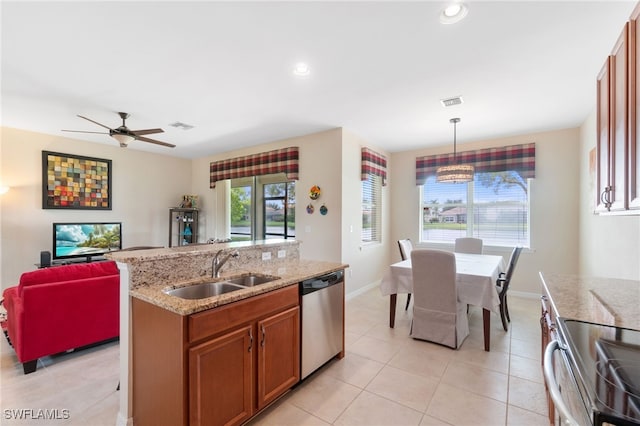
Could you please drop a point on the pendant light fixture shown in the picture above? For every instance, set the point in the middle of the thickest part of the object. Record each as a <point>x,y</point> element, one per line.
<point>455,173</point>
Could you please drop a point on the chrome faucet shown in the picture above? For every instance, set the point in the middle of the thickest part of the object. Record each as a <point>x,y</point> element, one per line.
<point>217,264</point>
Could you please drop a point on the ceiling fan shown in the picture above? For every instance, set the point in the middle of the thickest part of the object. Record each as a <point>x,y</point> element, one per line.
<point>123,135</point>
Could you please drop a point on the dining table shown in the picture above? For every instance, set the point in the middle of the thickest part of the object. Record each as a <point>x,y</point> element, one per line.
<point>476,276</point>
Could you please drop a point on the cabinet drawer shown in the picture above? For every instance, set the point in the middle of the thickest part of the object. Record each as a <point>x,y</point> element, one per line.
<point>215,321</point>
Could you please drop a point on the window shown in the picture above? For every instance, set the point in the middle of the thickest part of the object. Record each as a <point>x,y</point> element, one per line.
<point>494,207</point>
<point>371,208</point>
<point>276,218</point>
<point>242,217</point>
<point>279,210</point>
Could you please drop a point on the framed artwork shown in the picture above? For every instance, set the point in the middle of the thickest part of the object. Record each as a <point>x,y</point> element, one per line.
<point>75,182</point>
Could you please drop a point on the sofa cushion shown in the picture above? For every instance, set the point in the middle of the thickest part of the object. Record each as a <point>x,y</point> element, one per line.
<point>69,272</point>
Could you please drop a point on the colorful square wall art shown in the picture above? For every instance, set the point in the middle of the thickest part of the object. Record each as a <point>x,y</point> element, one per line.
<point>75,182</point>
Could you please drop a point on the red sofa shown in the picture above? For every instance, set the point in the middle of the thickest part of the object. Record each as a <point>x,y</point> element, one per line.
<point>56,309</point>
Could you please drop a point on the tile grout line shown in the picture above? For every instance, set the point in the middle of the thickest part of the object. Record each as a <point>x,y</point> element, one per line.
<point>506,414</point>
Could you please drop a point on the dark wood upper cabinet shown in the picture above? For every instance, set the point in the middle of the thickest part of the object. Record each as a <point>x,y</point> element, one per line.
<point>617,147</point>
<point>618,169</point>
<point>634,111</point>
<point>603,137</point>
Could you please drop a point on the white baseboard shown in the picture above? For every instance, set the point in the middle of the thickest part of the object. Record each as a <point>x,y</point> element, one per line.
<point>524,294</point>
<point>123,420</point>
<point>362,290</point>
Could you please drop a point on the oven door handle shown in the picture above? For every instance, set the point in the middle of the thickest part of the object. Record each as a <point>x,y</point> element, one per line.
<point>552,385</point>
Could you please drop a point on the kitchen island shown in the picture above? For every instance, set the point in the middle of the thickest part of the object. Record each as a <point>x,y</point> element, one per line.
<point>221,359</point>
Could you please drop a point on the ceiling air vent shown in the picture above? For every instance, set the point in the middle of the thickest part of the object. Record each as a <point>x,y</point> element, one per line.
<point>183,126</point>
<point>456,100</point>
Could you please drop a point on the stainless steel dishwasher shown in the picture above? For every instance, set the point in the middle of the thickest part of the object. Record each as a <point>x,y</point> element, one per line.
<point>322,305</point>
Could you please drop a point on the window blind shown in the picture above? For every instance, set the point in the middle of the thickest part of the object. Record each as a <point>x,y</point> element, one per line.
<point>371,208</point>
<point>494,207</point>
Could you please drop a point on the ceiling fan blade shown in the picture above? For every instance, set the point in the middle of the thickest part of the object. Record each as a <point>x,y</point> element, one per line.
<point>143,139</point>
<point>84,131</point>
<point>146,131</point>
<point>95,122</point>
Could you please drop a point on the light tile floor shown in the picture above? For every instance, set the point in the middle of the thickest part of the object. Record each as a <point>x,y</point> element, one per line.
<point>386,378</point>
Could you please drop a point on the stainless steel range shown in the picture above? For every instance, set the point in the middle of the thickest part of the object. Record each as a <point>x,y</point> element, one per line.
<point>596,378</point>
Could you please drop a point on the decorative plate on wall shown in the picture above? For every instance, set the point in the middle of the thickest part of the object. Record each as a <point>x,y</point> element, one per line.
<point>314,192</point>
<point>310,208</point>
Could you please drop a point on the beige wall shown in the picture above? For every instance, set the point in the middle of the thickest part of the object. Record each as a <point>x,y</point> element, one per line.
<point>145,185</point>
<point>609,245</point>
<point>368,261</point>
<point>319,165</point>
<point>331,160</point>
<point>554,199</point>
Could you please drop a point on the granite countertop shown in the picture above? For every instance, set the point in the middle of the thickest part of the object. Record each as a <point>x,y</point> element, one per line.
<point>594,299</point>
<point>149,253</point>
<point>289,273</point>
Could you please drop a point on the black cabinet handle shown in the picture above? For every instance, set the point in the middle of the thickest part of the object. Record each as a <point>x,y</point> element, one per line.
<point>605,197</point>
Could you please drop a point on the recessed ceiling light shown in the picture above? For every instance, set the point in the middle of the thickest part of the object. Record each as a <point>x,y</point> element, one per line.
<point>453,13</point>
<point>301,69</point>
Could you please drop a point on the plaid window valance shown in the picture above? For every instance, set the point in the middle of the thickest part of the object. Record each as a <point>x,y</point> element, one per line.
<point>373,163</point>
<point>519,158</point>
<point>277,161</point>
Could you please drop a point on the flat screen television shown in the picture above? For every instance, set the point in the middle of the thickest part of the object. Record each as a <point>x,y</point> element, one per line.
<point>85,239</point>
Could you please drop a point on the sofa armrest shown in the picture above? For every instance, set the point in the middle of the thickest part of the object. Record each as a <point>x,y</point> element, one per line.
<point>15,316</point>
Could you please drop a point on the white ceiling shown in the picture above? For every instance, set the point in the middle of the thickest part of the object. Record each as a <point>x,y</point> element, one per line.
<point>378,69</point>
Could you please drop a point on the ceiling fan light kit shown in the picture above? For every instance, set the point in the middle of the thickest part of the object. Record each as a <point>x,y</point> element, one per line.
<point>455,173</point>
<point>123,135</point>
<point>123,140</point>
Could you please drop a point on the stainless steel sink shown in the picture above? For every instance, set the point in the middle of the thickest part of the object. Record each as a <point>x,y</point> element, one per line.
<point>250,280</point>
<point>204,290</point>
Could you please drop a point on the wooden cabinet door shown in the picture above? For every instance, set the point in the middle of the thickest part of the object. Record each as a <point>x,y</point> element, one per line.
<point>278,355</point>
<point>619,122</point>
<point>634,110</point>
<point>221,379</point>
<point>603,137</point>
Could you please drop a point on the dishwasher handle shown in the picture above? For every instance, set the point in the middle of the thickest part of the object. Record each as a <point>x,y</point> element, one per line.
<point>321,282</point>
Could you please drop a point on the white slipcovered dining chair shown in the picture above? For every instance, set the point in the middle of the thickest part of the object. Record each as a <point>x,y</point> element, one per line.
<point>405,253</point>
<point>468,245</point>
<point>438,316</point>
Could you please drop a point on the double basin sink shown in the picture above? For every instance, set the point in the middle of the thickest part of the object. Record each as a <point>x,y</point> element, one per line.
<point>210,289</point>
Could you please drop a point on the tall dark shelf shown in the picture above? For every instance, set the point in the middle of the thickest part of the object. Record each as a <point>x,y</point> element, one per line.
<point>183,226</point>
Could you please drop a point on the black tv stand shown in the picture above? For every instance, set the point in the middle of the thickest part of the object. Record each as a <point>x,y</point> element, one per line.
<point>74,261</point>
